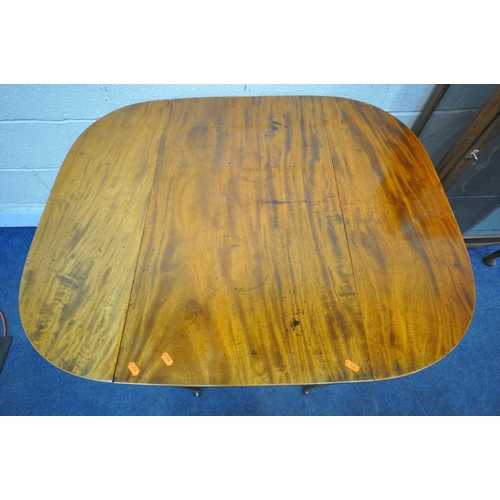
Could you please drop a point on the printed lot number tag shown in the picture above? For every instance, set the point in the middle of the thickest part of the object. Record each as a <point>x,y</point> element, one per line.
<point>167,359</point>
<point>352,366</point>
<point>133,368</point>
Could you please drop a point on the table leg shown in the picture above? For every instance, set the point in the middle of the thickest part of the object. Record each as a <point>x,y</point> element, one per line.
<point>197,390</point>
<point>490,260</point>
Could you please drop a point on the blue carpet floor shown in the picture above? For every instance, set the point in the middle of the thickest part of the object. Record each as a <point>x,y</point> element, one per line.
<point>466,382</point>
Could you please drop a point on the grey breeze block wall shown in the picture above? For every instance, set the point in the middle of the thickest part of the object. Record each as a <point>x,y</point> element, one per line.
<point>39,124</point>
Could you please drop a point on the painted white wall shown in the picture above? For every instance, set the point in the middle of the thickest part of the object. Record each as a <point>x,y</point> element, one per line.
<point>39,123</point>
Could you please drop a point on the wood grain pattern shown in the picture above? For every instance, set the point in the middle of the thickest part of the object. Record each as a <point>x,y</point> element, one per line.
<point>248,241</point>
<point>413,275</point>
<point>244,275</point>
<point>78,275</point>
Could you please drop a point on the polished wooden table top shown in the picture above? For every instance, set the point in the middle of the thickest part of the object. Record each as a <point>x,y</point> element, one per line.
<point>246,241</point>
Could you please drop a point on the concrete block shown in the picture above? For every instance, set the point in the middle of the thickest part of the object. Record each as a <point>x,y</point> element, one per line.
<point>53,102</point>
<point>37,145</point>
<point>21,216</point>
<point>24,187</point>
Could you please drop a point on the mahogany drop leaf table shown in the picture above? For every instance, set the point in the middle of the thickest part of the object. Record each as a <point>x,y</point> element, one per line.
<point>246,241</point>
